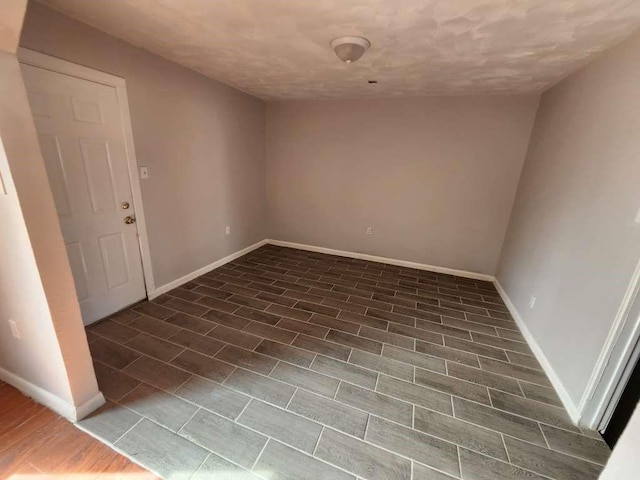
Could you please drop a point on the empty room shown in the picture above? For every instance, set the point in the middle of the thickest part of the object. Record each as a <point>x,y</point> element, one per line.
<point>335,240</point>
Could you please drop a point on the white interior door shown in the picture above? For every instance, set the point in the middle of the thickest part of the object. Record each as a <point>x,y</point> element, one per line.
<point>82,141</point>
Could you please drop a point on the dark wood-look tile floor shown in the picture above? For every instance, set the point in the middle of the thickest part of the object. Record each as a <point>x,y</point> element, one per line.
<point>286,364</point>
<point>37,444</point>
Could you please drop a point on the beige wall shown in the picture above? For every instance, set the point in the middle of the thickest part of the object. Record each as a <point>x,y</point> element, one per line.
<point>51,358</point>
<point>434,177</point>
<point>202,141</point>
<point>571,240</point>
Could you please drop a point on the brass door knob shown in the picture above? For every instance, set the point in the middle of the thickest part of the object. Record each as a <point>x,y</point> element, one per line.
<point>129,220</point>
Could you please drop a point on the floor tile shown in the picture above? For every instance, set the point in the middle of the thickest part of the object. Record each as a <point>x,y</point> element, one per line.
<point>354,341</point>
<point>275,333</point>
<point>413,358</point>
<point>111,353</point>
<point>162,451</point>
<point>303,327</point>
<point>217,468</point>
<point>186,307</point>
<point>287,353</point>
<point>382,365</point>
<point>577,445</point>
<point>247,359</point>
<point>335,323</point>
<point>213,396</point>
<point>280,462</point>
<point>154,327</point>
<point>284,309</point>
<point>541,394</point>
<point>547,462</point>
<point>415,394</point>
<point>153,310</point>
<point>154,347</point>
<point>376,403</point>
<point>195,324</point>
<point>344,371</point>
<point>480,467</point>
<point>203,365</point>
<point>258,386</point>
<point>258,315</point>
<point>410,354</point>
<point>540,412</point>
<point>452,386</point>
<point>498,420</point>
<point>523,360</point>
<point>476,348</point>
<point>286,427</point>
<point>156,373</point>
<point>515,371</point>
<point>504,343</point>
<point>306,379</point>
<point>113,383</point>
<point>361,458</point>
<point>422,472</point>
<point>471,326</point>
<point>235,337</point>
<point>224,437</point>
<point>363,320</point>
<point>329,412</point>
<point>169,411</point>
<point>323,347</point>
<point>113,330</point>
<point>413,444</point>
<point>447,353</point>
<point>483,377</point>
<point>226,319</point>
<point>387,337</point>
<point>109,422</point>
<point>199,343</point>
<point>459,432</point>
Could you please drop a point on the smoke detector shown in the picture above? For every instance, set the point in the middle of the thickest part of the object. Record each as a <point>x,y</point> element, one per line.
<point>350,49</point>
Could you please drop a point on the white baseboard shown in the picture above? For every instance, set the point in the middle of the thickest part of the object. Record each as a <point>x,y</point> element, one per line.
<point>566,400</point>
<point>201,271</point>
<point>49,400</point>
<point>390,261</point>
<point>89,406</point>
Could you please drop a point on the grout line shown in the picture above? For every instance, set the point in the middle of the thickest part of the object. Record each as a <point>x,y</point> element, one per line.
<point>315,448</point>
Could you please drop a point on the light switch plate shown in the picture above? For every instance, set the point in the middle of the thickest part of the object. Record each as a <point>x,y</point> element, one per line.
<point>144,172</point>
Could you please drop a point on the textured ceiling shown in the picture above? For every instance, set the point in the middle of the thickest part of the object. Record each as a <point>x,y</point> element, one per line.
<point>279,49</point>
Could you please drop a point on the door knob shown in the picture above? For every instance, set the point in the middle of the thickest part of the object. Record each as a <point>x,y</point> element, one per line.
<point>129,220</point>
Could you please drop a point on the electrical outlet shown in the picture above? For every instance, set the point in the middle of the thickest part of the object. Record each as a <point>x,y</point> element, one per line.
<point>15,331</point>
<point>144,172</point>
<point>369,231</point>
<point>532,302</point>
<point>227,230</point>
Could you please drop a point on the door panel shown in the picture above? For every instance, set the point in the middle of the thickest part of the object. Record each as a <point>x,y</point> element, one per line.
<point>82,142</point>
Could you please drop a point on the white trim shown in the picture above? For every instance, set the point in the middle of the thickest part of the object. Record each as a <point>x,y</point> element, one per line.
<point>89,406</point>
<point>565,398</point>
<point>602,389</point>
<point>54,64</point>
<point>206,269</point>
<point>49,400</point>
<point>389,261</point>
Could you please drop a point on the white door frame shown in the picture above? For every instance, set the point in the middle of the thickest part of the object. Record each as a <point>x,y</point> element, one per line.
<point>616,361</point>
<point>57,65</point>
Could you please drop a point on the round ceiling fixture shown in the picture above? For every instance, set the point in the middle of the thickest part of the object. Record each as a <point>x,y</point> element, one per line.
<point>350,49</point>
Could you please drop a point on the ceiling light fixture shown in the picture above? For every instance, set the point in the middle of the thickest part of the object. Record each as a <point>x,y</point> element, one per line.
<point>350,49</point>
